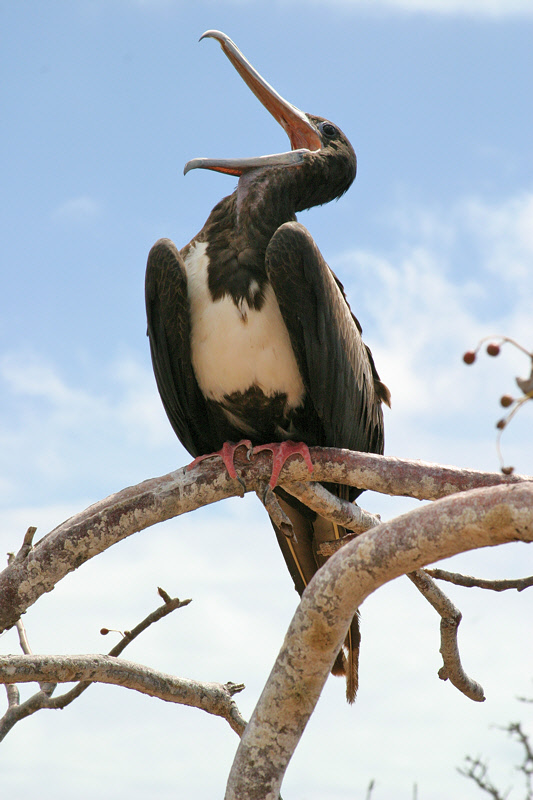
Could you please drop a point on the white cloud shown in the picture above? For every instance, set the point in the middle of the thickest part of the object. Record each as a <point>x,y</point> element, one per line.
<point>471,8</point>
<point>59,434</point>
<point>129,399</point>
<point>505,233</point>
<point>457,275</point>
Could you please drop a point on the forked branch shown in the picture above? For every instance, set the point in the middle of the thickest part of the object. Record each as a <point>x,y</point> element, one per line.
<point>215,698</point>
<point>473,519</point>
<point>36,569</point>
<point>51,670</point>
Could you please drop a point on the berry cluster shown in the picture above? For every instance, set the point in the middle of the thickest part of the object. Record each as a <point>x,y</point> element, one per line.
<point>506,401</point>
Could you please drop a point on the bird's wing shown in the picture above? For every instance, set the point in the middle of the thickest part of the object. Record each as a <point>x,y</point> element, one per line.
<point>167,310</point>
<point>343,389</point>
<point>336,366</point>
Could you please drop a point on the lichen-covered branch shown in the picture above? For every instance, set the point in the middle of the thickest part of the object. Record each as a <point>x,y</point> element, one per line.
<point>452,668</point>
<point>37,569</point>
<point>501,511</point>
<point>215,698</point>
<point>477,518</point>
<point>341,512</point>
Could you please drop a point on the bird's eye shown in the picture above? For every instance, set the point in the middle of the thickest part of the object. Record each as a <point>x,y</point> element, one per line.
<point>328,129</point>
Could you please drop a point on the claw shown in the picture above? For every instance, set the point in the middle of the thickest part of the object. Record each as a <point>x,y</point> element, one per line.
<point>280,453</point>
<point>227,454</point>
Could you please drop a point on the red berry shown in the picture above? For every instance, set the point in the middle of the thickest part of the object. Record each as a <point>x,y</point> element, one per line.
<point>507,470</point>
<point>501,424</point>
<point>506,400</point>
<point>104,631</point>
<point>469,357</point>
<point>493,349</point>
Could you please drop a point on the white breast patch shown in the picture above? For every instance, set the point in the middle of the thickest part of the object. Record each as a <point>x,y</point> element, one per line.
<point>234,348</point>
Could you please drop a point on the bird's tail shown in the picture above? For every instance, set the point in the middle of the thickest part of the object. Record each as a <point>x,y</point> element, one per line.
<point>347,661</point>
<point>302,560</point>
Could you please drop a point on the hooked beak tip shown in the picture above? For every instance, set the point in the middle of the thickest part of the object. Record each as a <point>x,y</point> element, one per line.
<point>211,34</point>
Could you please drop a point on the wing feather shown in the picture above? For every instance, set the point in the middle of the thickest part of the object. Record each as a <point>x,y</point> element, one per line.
<point>336,365</point>
<point>169,331</point>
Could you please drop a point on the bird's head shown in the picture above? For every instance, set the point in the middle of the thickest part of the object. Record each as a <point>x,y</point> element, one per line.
<point>321,159</point>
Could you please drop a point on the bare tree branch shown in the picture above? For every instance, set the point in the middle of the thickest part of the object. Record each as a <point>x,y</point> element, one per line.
<point>452,668</point>
<point>526,767</point>
<point>214,698</point>
<point>477,771</point>
<point>36,570</point>
<point>46,689</point>
<point>480,583</point>
<point>15,668</point>
<point>26,546</point>
<point>474,518</point>
<point>478,518</point>
<point>451,617</point>
<point>342,512</point>
<point>13,695</point>
<point>275,511</point>
<point>325,504</point>
<point>170,605</point>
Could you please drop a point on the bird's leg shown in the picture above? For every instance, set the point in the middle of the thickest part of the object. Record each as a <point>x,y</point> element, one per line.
<point>280,453</point>
<point>227,454</point>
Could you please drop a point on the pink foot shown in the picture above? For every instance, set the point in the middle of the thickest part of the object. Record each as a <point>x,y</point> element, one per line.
<point>280,453</point>
<point>227,455</point>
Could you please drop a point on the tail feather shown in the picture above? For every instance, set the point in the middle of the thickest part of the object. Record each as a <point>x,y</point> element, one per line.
<point>303,561</point>
<point>347,661</point>
<point>339,665</point>
<point>352,643</point>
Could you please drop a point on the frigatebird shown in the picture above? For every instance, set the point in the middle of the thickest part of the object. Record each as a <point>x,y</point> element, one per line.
<point>251,334</point>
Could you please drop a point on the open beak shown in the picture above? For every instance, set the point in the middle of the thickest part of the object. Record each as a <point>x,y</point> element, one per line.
<point>301,132</point>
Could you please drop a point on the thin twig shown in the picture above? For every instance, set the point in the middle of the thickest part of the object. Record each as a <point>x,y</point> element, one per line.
<point>452,668</point>
<point>477,771</point>
<point>480,583</point>
<point>526,767</point>
<point>46,688</point>
<point>370,789</point>
<point>27,543</point>
<point>43,699</point>
<point>13,695</point>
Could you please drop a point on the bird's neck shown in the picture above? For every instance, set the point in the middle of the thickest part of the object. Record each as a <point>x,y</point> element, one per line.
<point>237,234</point>
<point>265,199</point>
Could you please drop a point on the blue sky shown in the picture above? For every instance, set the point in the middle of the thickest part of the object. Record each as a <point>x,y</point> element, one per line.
<point>102,105</point>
